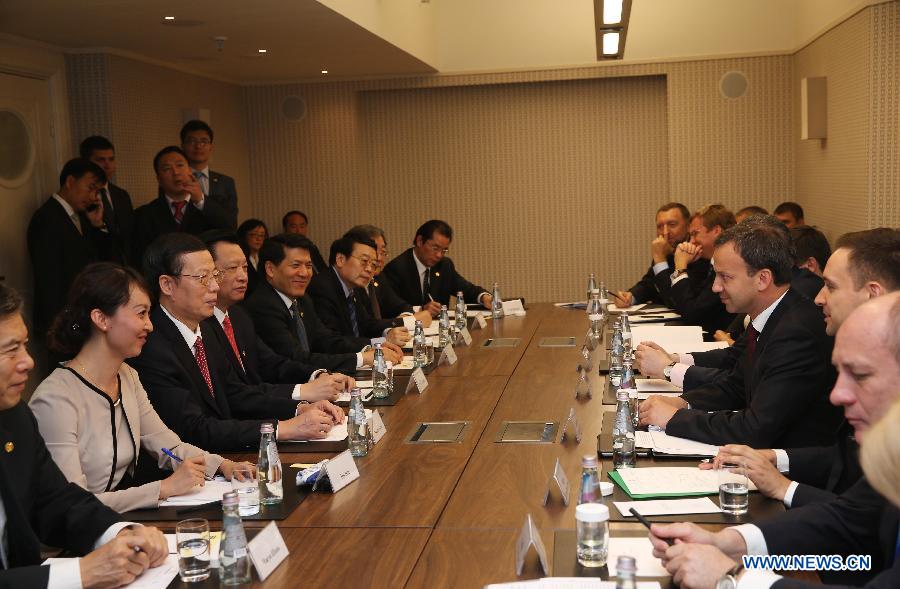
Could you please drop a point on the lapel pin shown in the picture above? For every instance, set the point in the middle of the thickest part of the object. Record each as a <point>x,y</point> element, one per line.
<point>437,274</point>
<point>9,447</point>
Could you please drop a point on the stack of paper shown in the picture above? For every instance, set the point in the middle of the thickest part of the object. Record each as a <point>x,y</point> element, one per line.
<point>648,482</point>
<point>613,308</point>
<point>673,445</point>
<point>209,492</point>
<point>156,578</point>
<point>673,338</point>
<point>656,386</point>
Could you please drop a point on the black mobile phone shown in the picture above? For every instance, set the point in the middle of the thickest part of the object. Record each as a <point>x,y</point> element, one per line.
<point>92,207</point>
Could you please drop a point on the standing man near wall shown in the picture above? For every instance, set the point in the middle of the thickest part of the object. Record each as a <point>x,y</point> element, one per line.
<point>118,212</point>
<point>197,143</point>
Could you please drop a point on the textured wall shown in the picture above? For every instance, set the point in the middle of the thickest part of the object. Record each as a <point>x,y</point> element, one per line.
<point>89,96</point>
<point>885,116</point>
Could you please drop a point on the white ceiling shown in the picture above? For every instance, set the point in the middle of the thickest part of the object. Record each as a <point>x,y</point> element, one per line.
<point>367,38</point>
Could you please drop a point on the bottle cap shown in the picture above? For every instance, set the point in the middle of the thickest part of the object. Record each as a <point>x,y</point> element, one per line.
<point>595,291</point>
<point>626,563</point>
<point>630,392</point>
<point>418,324</point>
<point>378,345</point>
<point>355,392</point>
<point>606,488</point>
<point>622,395</point>
<point>589,461</point>
<point>266,428</point>
<point>592,512</point>
<point>229,498</point>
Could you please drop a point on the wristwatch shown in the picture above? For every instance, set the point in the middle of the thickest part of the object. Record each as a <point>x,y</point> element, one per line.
<point>667,372</point>
<point>730,579</point>
<point>678,273</point>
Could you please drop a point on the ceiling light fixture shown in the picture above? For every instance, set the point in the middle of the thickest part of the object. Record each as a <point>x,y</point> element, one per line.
<point>611,27</point>
<point>170,18</point>
<point>324,71</point>
<point>262,50</point>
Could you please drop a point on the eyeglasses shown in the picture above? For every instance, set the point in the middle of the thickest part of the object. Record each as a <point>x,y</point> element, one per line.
<point>436,248</point>
<point>366,261</point>
<point>193,141</point>
<point>204,279</point>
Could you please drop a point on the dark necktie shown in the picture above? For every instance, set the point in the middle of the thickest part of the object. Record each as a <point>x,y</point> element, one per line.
<point>426,286</point>
<point>752,334</point>
<point>229,333</point>
<point>200,356</point>
<point>178,210</point>
<point>109,216</point>
<point>373,296</point>
<point>351,306</point>
<point>301,329</point>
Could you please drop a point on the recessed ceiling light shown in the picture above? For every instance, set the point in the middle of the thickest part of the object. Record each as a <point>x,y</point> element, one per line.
<point>262,50</point>
<point>324,71</point>
<point>612,12</point>
<point>170,18</point>
<point>610,43</point>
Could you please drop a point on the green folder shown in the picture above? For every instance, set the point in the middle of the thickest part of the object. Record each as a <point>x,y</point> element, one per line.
<point>618,480</point>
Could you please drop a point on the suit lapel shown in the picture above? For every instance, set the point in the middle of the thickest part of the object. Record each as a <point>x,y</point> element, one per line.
<point>226,345</point>
<point>413,276</point>
<point>185,356</point>
<point>337,292</point>
<point>751,374</point>
<point>133,415</point>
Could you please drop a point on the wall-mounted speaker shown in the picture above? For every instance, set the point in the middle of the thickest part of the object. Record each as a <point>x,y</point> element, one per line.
<point>293,108</point>
<point>733,85</point>
<point>813,108</point>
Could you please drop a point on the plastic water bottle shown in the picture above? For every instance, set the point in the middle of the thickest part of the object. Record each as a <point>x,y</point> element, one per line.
<point>234,559</point>
<point>626,332</point>
<point>444,337</point>
<point>623,433</point>
<point>630,385</point>
<point>497,305</point>
<point>626,569</point>
<point>604,302</point>
<point>460,312</point>
<point>592,285</point>
<point>357,436</point>
<point>380,385</point>
<point>595,315</point>
<point>590,481</point>
<point>616,356</point>
<point>420,346</point>
<point>268,467</point>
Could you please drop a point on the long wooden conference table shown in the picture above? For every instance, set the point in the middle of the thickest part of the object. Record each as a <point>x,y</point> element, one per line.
<point>449,514</point>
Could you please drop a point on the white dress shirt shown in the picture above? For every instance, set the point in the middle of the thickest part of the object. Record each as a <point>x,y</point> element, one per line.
<point>76,220</point>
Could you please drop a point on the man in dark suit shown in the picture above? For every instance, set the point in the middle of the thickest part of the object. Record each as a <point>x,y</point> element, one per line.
<point>39,506</point>
<point>334,292</point>
<point>423,275</point>
<point>672,221</point>
<point>180,206</point>
<point>187,375</point>
<point>197,143</point>
<point>287,321</point>
<point>859,521</point>
<point>297,222</point>
<point>65,235</point>
<point>776,394</point>
<point>252,360</point>
<point>118,212</point>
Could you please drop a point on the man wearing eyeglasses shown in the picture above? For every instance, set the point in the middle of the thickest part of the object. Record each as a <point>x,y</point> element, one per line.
<point>353,260</point>
<point>424,275</point>
<point>197,143</point>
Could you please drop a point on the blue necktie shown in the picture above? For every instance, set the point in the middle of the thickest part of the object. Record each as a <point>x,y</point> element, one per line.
<point>351,306</point>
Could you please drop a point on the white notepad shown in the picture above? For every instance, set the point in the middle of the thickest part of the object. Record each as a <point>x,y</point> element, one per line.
<point>210,491</point>
<point>668,506</point>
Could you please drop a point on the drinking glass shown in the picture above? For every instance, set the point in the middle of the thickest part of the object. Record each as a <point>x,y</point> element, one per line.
<point>244,483</point>
<point>734,496</point>
<point>192,537</point>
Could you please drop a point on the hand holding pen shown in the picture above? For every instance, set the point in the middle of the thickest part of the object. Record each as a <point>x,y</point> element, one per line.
<point>189,473</point>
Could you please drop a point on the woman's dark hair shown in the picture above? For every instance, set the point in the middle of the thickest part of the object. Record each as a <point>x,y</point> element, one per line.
<point>104,286</point>
<point>245,228</point>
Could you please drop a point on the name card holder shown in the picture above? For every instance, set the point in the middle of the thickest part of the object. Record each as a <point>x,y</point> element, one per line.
<point>339,472</point>
<point>583,386</point>
<point>448,356</point>
<point>464,338</point>
<point>562,483</point>
<point>267,550</point>
<point>571,428</point>
<point>376,426</point>
<point>417,381</point>
<point>479,322</point>
<point>513,308</point>
<point>527,538</point>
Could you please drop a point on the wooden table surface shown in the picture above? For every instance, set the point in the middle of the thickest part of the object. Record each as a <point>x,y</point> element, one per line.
<point>448,515</point>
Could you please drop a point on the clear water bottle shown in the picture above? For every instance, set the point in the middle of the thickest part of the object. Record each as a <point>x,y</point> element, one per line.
<point>592,534</point>
<point>604,302</point>
<point>623,433</point>
<point>381,388</point>
<point>626,332</point>
<point>630,385</point>
<point>592,285</point>
<point>590,480</point>
<point>234,559</point>
<point>616,357</point>
<point>268,467</point>
<point>595,315</point>
<point>497,305</point>
<point>420,346</point>
<point>444,336</point>
<point>460,312</point>
<point>357,426</point>
<point>626,570</point>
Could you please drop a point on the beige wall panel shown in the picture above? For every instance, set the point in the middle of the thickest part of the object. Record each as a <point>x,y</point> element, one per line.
<point>885,121</point>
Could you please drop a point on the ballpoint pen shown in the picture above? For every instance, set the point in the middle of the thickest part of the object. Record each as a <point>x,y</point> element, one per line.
<point>171,455</point>
<point>646,523</point>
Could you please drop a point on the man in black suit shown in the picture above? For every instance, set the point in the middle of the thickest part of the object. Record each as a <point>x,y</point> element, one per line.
<point>297,222</point>
<point>334,292</point>
<point>66,234</point>
<point>423,275</point>
<point>287,321</point>
<point>180,206</point>
<point>187,375</point>
<point>672,221</point>
<point>252,360</point>
<point>39,506</point>
<point>118,212</point>
<point>776,394</point>
<point>197,143</point>
<point>859,521</point>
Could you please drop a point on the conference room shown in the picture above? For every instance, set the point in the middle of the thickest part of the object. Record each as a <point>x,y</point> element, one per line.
<point>628,195</point>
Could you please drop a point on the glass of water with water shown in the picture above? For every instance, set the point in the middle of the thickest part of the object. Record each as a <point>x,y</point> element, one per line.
<point>733,488</point>
<point>244,483</point>
<point>592,532</point>
<point>192,536</point>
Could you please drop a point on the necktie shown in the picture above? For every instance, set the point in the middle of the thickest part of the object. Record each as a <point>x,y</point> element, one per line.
<point>77,220</point>
<point>204,182</point>
<point>109,216</point>
<point>373,296</point>
<point>426,286</point>
<point>178,210</point>
<point>229,333</point>
<point>752,334</point>
<point>351,306</point>
<point>301,329</point>
<point>200,356</point>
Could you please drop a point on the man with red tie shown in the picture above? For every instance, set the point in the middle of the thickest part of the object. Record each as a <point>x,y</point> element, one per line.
<point>188,379</point>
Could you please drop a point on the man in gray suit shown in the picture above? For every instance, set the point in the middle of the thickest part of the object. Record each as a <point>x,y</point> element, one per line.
<point>197,143</point>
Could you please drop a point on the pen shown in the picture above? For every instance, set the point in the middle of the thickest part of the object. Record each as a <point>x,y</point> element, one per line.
<point>652,316</point>
<point>644,521</point>
<point>171,455</point>
<point>201,507</point>
<point>617,296</point>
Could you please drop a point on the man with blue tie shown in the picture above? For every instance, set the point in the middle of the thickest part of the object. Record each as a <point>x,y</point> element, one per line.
<point>197,143</point>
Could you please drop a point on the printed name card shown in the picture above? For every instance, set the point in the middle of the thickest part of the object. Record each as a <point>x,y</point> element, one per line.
<point>571,427</point>
<point>562,483</point>
<point>417,381</point>
<point>341,471</point>
<point>376,426</point>
<point>464,338</point>
<point>267,550</point>
<point>513,308</point>
<point>479,322</point>
<point>527,538</point>
<point>448,356</point>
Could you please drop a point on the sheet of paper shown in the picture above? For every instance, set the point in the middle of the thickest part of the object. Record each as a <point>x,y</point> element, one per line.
<point>662,442</point>
<point>641,549</point>
<point>513,308</point>
<point>407,364</point>
<point>156,578</point>
<point>364,384</point>
<point>409,322</point>
<point>343,397</point>
<point>673,338</point>
<point>612,307</point>
<point>643,439</point>
<point>210,491</point>
<point>656,385</point>
<point>568,583</point>
<point>673,480</point>
<point>470,313</point>
<point>654,317</point>
<point>668,506</point>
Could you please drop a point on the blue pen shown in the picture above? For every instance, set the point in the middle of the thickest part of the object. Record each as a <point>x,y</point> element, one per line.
<point>171,455</point>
